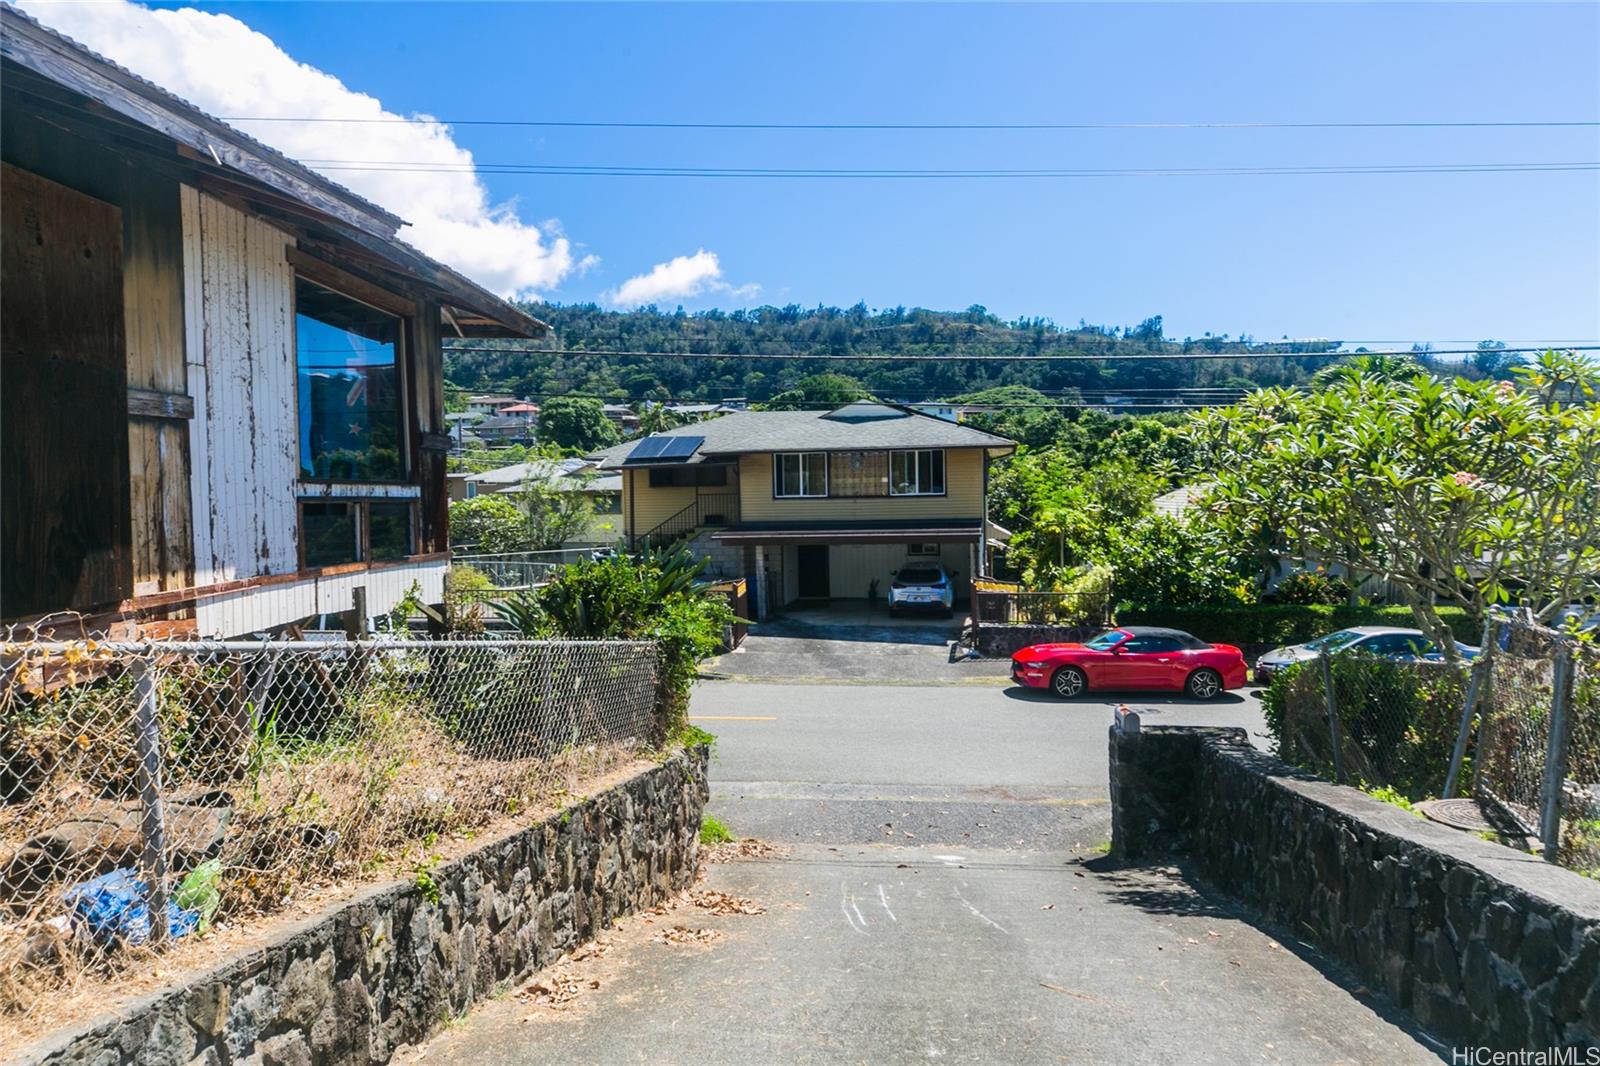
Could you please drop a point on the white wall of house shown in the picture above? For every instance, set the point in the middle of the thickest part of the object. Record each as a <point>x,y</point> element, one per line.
<point>237,613</point>
<point>244,439</point>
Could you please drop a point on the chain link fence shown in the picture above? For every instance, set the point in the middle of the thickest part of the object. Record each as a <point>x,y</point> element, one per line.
<point>1538,739</point>
<point>1518,728</point>
<point>153,791</point>
<point>1369,721</point>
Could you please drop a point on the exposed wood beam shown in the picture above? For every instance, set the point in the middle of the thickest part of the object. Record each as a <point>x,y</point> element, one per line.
<point>148,403</point>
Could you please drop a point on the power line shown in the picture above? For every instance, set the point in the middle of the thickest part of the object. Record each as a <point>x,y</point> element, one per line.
<point>871,126</point>
<point>979,408</point>
<point>958,357</point>
<point>625,171</point>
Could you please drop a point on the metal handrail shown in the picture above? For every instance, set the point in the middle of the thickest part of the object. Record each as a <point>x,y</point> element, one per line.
<point>689,519</point>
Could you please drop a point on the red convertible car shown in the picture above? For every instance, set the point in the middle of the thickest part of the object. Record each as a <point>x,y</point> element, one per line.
<point>1132,657</point>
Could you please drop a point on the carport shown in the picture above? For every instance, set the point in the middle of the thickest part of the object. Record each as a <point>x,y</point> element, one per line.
<point>813,564</point>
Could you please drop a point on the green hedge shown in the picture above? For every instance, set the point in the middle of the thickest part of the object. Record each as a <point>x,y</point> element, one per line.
<point>1282,623</point>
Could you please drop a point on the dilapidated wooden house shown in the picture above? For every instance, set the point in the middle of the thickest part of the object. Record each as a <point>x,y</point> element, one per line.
<point>221,386</point>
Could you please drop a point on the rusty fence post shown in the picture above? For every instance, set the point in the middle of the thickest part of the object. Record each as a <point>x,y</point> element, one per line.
<point>1555,760</point>
<point>152,818</point>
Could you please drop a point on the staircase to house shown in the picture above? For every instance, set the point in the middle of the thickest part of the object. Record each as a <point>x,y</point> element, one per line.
<point>715,509</point>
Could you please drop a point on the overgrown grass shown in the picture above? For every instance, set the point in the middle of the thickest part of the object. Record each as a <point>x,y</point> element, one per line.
<point>713,832</point>
<point>1393,797</point>
<point>692,736</point>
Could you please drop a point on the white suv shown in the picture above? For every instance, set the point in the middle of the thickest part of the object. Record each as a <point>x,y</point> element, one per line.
<point>922,586</point>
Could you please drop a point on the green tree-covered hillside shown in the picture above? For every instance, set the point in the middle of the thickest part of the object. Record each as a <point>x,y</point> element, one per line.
<point>854,332</point>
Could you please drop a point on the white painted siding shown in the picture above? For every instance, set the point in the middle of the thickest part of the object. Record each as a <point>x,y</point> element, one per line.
<point>239,312</point>
<point>254,610</point>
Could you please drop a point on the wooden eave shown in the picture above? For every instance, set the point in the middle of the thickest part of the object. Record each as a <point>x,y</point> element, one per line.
<point>78,91</point>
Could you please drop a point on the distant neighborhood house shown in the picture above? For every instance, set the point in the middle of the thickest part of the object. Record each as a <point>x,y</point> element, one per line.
<point>223,409</point>
<point>813,506</point>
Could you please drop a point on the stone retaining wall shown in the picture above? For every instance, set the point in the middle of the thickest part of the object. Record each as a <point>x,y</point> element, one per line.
<point>997,640</point>
<point>1484,945</point>
<point>387,968</point>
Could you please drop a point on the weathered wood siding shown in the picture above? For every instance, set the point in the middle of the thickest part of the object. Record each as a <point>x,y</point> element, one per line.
<point>63,410</point>
<point>152,307</point>
<point>244,446</point>
<point>963,496</point>
<point>158,447</point>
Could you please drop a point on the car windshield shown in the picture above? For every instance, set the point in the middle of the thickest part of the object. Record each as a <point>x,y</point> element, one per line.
<point>1107,640</point>
<point>1334,641</point>
<point>919,577</point>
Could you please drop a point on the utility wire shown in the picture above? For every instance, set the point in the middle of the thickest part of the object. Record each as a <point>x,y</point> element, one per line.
<point>622,171</point>
<point>979,408</point>
<point>958,357</point>
<point>558,124</point>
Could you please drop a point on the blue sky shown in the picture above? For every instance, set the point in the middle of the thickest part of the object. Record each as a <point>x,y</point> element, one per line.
<point>1375,258</point>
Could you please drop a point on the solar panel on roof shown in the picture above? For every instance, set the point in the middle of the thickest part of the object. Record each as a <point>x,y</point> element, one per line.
<point>661,447</point>
<point>649,448</point>
<point>681,447</point>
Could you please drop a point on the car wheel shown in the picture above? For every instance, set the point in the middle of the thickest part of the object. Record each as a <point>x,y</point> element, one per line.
<point>1204,684</point>
<point>1068,682</point>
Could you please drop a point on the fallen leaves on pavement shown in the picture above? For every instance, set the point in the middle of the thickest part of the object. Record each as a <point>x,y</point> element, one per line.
<point>680,934</point>
<point>723,903</point>
<point>556,989</point>
<point>748,848</point>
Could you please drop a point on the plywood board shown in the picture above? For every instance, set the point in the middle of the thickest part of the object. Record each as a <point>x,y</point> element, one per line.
<point>64,495</point>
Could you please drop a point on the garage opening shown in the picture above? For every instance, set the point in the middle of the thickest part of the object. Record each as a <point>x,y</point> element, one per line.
<point>812,574</point>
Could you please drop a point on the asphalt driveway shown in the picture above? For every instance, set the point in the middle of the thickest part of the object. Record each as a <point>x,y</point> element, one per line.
<point>939,894</point>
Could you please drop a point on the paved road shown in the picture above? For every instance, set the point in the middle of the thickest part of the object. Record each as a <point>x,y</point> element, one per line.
<point>942,899</point>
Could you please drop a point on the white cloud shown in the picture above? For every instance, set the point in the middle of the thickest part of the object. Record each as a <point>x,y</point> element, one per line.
<point>685,275</point>
<point>225,68</point>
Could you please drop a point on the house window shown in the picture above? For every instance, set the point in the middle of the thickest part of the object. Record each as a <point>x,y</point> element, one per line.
<point>388,530</point>
<point>336,532</point>
<point>329,534</point>
<point>662,477</point>
<point>922,549</point>
<point>918,473</point>
<point>800,474</point>
<point>347,355</point>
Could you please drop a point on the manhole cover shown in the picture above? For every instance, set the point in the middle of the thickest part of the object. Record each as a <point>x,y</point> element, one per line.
<point>1460,813</point>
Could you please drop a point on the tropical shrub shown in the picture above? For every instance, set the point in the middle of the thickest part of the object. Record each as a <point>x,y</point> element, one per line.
<point>1271,624</point>
<point>657,597</point>
<point>1397,721</point>
<point>1311,586</point>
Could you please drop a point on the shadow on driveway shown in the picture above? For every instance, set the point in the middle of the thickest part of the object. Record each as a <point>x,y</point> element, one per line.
<point>1100,697</point>
<point>1173,891</point>
<point>869,631</point>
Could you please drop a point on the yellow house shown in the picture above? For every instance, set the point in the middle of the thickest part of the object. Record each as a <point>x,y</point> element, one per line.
<point>813,506</point>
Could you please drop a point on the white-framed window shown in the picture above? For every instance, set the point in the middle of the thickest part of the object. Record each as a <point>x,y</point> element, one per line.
<point>922,549</point>
<point>800,474</point>
<point>916,473</point>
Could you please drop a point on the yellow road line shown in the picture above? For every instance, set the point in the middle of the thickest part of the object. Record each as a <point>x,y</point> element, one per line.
<point>733,718</point>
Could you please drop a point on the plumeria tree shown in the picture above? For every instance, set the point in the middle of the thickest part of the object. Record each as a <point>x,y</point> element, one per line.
<point>1473,492</point>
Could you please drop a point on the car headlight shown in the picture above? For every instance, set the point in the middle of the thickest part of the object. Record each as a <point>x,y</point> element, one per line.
<point>1034,666</point>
